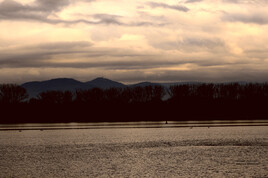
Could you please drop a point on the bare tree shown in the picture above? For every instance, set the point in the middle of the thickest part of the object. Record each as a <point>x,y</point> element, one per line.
<point>55,97</point>
<point>12,94</point>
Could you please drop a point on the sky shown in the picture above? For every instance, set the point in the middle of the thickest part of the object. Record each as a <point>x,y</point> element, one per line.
<point>134,40</point>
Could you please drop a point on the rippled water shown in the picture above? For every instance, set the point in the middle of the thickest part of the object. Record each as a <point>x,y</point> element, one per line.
<point>136,152</point>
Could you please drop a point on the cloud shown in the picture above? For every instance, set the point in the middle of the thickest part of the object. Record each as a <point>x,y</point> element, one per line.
<point>261,53</point>
<point>193,1</point>
<point>199,74</point>
<point>63,55</point>
<point>50,5</point>
<point>254,18</point>
<point>245,1</point>
<point>50,60</point>
<point>64,45</point>
<point>41,7</point>
<point>167,6</point>
<point>115,20</point>
<point>191,44</point>
<point>40,11</point>
<point>39,55</point>
<point>208,74</point>
<point>202,42</point>
<point>233,1</point>
<point>134,40</point>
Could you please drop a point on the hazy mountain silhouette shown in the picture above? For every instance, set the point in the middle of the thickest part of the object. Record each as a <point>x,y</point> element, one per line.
<point>144,84</point>
<point>104,83</point>
<point>61,84</point>
<point>67,84</point>
<point>167,85</point>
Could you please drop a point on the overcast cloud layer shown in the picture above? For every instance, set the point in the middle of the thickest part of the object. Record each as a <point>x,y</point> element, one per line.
<point>133,41</point>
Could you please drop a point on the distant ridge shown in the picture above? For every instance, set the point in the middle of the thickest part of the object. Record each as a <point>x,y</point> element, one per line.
<point>69,84</point>
<point>144,84</point>
<point>104,83</point>
<point>62,84</point>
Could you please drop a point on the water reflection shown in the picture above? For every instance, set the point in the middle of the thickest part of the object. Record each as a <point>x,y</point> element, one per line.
<point>156,124</point>
<point>129,152</point>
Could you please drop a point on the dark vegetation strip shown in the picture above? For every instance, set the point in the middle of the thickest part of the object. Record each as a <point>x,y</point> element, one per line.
<point>186,102</point>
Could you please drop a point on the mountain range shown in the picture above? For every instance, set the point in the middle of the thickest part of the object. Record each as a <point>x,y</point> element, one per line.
<point>68,84</point>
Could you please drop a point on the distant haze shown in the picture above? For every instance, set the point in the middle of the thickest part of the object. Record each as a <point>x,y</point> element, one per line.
<point>133,41</point>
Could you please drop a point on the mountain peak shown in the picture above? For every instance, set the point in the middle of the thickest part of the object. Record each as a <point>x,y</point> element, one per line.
<point>101,79</point>
<point>104,83</point>
<point>144,84</point>
<point>63,80</point>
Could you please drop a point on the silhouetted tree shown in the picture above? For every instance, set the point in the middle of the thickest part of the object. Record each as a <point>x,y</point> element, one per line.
<point>158,93</point>
<point>113,95</point>
<point>205,91</point>
<point>91,96</point>
<point>179,93</point>
<point>229,91</point>
<point>67,97</point>
<point>126,96</point>
<point>55,97</point>
<point>138,95</point>
<point>12,94</point>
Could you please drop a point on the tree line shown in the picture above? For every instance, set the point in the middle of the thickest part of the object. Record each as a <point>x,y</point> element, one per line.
<point>15,94</point>
<point>180,102</point>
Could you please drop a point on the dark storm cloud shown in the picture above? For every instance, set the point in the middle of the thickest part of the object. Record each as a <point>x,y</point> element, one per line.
<point>259,19</point>
<point>167,6</point>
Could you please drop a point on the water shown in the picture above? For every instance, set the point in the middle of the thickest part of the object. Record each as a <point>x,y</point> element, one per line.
<point>124,151</point>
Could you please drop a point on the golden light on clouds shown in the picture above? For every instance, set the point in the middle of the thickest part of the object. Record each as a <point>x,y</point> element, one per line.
<point>131,41</point>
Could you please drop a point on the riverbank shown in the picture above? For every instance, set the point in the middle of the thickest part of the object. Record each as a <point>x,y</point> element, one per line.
<point>122,125</point>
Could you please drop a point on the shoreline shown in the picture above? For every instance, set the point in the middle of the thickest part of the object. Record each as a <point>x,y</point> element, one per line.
<point>110,121</point>
<point>125,125</point>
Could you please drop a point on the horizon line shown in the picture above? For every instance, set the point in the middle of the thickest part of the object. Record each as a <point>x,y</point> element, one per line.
<point>138,81</point>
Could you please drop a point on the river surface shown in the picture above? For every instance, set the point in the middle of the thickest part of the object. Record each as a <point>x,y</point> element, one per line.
<point>147,149</point>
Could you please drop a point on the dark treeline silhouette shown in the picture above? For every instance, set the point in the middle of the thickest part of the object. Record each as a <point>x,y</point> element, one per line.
<point>12,94</point>
<point>185,102</point>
